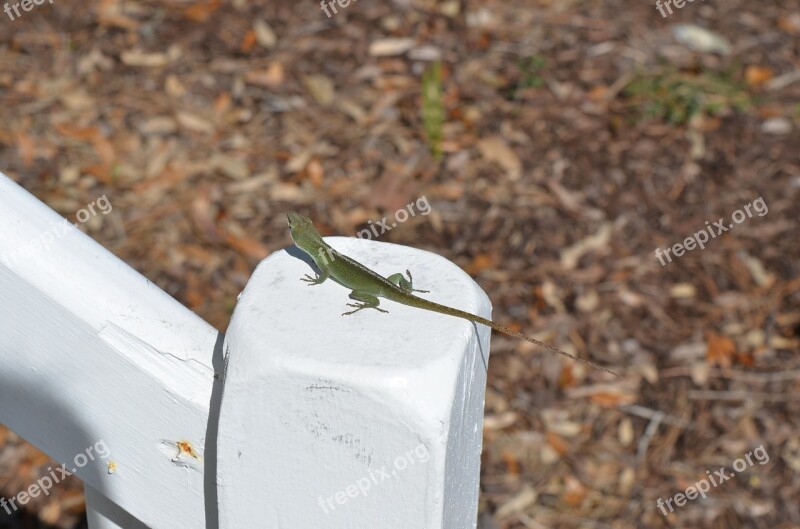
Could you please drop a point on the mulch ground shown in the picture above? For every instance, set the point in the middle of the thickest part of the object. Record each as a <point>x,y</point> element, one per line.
<point>576,139</point>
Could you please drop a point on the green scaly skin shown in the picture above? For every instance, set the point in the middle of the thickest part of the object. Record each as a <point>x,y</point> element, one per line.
<point>368,286</point>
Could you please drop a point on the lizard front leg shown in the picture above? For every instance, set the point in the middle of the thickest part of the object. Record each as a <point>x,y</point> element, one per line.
<point>368,301</point>
<point>324,273</point>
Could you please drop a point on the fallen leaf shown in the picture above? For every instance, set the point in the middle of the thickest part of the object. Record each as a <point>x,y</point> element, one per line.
<point>390,47</point>
<point>495,149</point>
<point>230,166</point>
<point>758,75</point>
<point>320,87</point>
<point>479,263</point>
<point>625,432</point>
<point>790,23</point>
<point>315,172</point>
<point>25,147</point>
<point>511,461</point>
<point>248,41</point>
<point>158,125</point>
<point>612,399</point>
<point>700,39</point>
<point>682,291</point>
<point>265,36</point>
<point>247,246</point>
<point>571,255</point>
<point>720,351</point>
<point>574,491</point>
<point>778,126</point>
<point>517,503</point>
<point>194,123</point>
<point>201,12</point>
<point>557,443</point>
<point>142,59</point>
<point>271,77</point>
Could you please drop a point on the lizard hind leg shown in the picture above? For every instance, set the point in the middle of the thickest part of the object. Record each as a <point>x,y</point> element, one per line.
<point>368,301</point>
<point>407,285</point>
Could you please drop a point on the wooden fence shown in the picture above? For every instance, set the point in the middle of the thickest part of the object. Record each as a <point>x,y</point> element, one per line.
<point>297,418</point>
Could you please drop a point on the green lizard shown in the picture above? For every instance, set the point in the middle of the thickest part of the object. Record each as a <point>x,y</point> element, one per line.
<point>367,286</point>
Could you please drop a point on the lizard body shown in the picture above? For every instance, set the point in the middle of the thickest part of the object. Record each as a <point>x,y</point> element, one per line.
<point>368,286</point>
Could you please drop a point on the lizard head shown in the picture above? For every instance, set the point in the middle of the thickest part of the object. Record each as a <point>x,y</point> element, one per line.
<point>302,230</point>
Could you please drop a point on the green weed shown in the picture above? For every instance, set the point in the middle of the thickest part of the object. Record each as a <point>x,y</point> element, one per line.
<point>676,96</point>
<point>433,112</point>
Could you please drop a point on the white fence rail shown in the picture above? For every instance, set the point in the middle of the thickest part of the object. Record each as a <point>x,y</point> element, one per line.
<point>321,421</point>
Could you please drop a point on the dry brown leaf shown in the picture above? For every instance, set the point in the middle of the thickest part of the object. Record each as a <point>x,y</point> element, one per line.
<point>265,35</point>
<point>315,172</point>
<point>390,47</point>
<point>201,11</point>
<point>174,87</point>
<point>159,125</point>
<point>203,215</point>
<point>231,166</point>
<point>612,400</point>
<point>480,263</point>
<point>566,378</point>
<point>194,123</point>
<point>320,87</point>
<point>110,14</point>
<point>625,432</point>
<point>495,149</point>
<point>758,75</point>
<point>75,132</point>
<point>271,77</point>
<point>574,491</point>
<point>194,294</point>
<point>499,421</point>
<point>557,443</point>
<point>597,241</point>
<point>50,513</point>
<point>682,291</point>
<point>598,93</point>
<point>511,461</point>
<point>720,351</point>
<point>143,59</point>
<point>222,103</point>
<point>790,23</point>
<point>248,41</point>
<point>517,503</point>
<point>25,147</point>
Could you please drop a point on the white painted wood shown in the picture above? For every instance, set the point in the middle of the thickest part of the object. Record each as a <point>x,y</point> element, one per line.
<point>102,513</point>
<point>91,352</point>
<point>370,420</point>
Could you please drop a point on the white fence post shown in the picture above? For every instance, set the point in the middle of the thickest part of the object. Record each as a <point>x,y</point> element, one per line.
<point>369,420</point>
<point>104,372</point>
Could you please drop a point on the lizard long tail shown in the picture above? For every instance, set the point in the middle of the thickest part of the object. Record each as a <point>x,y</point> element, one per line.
<point>436,307</point>
<point>506,330</point>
